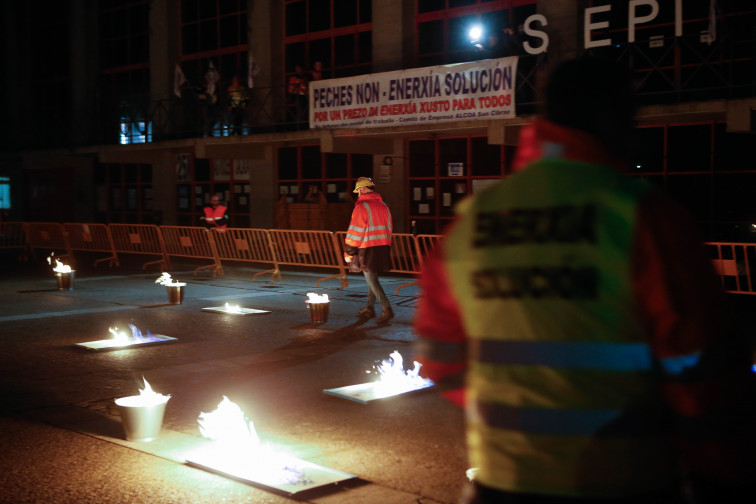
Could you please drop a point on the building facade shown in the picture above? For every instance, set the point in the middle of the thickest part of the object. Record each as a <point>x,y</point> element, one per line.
<point>126,111</point>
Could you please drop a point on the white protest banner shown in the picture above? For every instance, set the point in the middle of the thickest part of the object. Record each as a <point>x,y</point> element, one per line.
<point>464,91</point>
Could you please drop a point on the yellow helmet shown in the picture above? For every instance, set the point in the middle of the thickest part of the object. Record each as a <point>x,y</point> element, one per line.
<point>363,182</point>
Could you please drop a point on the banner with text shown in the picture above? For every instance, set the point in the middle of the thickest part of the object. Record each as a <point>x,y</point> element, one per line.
<point>464,91</point>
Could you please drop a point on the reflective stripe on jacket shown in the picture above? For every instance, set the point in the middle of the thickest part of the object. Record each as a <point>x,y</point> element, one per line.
<point>370,224</point>
<point>562,396</point>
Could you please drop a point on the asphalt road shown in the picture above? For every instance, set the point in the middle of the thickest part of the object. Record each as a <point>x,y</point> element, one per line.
<point>62,440</point>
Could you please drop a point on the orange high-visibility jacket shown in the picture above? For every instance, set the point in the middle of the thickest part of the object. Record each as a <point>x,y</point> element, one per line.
<point>216,218</point>
<point>370,225</point>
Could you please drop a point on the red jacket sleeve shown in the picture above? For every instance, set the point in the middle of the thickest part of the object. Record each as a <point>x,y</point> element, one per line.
<point>442,342</point>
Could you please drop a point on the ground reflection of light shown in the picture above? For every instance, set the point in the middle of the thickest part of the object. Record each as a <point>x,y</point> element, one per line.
<point>233,308</point>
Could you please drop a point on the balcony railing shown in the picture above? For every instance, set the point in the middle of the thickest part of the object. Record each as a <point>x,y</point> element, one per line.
<point>669,70</point>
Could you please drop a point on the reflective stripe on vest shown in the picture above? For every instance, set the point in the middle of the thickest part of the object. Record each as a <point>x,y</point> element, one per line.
<point>561,390</point>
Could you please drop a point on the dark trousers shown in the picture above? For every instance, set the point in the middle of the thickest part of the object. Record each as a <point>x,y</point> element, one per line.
<point>375,291</point>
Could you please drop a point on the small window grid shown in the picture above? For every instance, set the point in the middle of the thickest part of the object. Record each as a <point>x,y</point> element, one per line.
<point>443,171</point>
<point>338,33</point>
<point>199,179</point>
<point>304,169</point>
<point>128,196</point>
<point>214,31</point>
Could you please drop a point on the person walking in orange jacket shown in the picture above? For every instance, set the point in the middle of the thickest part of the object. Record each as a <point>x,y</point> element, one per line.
<point>368,246</point>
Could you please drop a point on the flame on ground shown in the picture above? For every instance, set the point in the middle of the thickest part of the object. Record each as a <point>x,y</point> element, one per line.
<point>316,298</point>
<point>393,374</point>
<point>237,449</point>
<point>121,338</point>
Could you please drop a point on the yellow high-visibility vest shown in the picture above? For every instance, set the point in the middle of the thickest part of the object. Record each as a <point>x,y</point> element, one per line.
<point>561,382</point>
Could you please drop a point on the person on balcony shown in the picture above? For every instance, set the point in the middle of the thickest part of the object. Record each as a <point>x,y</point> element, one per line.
<point>215,215</point>
<point>238,99</point>
<point>297,90</point>
<point>368,246</point>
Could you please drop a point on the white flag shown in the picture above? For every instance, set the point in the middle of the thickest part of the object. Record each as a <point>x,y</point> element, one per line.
<point>211,77</point>
<point>712,21</point>
<point>178,80</point>
<point>252,70</point>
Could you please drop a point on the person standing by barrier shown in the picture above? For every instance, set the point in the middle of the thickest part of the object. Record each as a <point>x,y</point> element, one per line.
<point>573,312</point>
<point>368,246</point>
<point>215,215</point>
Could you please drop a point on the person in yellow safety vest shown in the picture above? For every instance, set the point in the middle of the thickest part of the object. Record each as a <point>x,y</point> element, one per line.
<point>573,312</point>
<point>368,246</point>
<point>215,216</point>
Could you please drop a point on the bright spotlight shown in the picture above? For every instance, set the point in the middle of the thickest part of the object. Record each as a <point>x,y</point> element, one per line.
<point>476,32</point>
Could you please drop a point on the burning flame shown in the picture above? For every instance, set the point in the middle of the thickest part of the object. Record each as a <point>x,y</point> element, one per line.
<point>120,338</point>
<point>59,266</point>
<point>393,374</point>
<point>146,397</point>
<point>238,449</point>
<point>233,308</point>
<point>317,298</point>
<point>165,279</point>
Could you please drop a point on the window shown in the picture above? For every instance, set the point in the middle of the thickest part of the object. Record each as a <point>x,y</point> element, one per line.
<point>124,70</point>
<point>302,168</point>
<point>214,32</point>
<point>443,171</point>
<point>335,32</point>
<point>708,170</point>
<point>124,193</point>
<point>5,196</point>
<point>199,179</point>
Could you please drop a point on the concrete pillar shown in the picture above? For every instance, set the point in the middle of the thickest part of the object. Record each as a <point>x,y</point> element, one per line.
<point>393,34</point>
<point>84,71</point>
<point>390,182</point>
<point>565,35</point>
<point>164,186</point>
<point>263,195</point>
<point>264,36</point>
<point>164,55</point>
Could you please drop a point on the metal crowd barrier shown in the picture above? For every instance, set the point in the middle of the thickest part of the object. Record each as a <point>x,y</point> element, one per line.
<point>140,239</point>
<point>732,262</point>
<point>192,242</point>
<point>318,249</point>
<point>246,245</point>
<point>92,238</point>
<point>406,253</point>
<point>49,236</point>
<point>276,247</point>
<point>12,235</point>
